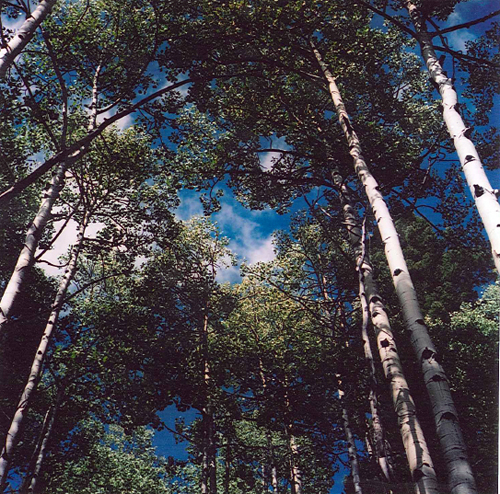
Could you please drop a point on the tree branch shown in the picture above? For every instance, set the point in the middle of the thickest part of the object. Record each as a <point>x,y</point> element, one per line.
<point>80,147</point>
<point>463,56</point>
<point>465,24</point>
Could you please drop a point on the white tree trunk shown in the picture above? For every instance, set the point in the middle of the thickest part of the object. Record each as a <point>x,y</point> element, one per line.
<point>376,423</point>
<point>419,459</point>
<point>460,478</point>
<point>295,473</point>
<point>30,485</point>
<point>27,255</point>
<point>351,446</point>
<point>356,234</point>
<point>16,45</point>
<point>12,436</point>
<point>479,185</point>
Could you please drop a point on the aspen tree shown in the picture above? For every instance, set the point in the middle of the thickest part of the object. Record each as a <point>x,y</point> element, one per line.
<point>27,30</point>
<point>419,459</point>
<point>483,193</point>
<point>356,236</point>
<point>30,482</point>
<point>27,256</point>
<point>12,436</point>
<point>460,477</point>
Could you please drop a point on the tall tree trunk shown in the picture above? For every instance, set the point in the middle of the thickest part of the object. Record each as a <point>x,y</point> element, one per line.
<point>12,435</point>
<point>30,483</point>
<point>227,468</point>
<point>419,459</point>
<point>209,474</point>
<point>479,185</point>
<point>16,45</point>
<point>351,445</point>
<point>274,479</point>
<point>448,429</point>
<point>377,430</point>
<point>357,238</point>
<point>27,255</point>
<point>295,473</point>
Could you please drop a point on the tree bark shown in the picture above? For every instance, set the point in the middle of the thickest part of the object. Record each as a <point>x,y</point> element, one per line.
<point>357,242</point>
<point>209,474</point>
<point>27,255</point>
<point>419,459</point>
<point>460,477</point>
<point>351,445</point>
<point>295,473</point>
<point>30,484</point>
<point>479,185</point>
<point>16,45</point>
<point>12,435</point>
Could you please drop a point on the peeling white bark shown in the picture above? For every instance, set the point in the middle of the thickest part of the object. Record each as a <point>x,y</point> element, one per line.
<point>16,45</point>
<point>479,185</point>
<point>12,436</point>
<point>417,453</point>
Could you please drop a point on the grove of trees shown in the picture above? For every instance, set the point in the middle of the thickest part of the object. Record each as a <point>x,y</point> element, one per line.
<point>368,346</point>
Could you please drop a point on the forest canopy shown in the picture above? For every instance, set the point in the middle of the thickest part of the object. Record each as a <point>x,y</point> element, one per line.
<point>249,246</point>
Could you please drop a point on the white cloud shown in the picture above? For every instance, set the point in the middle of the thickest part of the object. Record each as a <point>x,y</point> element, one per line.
<point>190,206</point>
<point>62,244</point>
<point>122,124</point>
<point>267,160</point>
<point>457,39</point>
<point>247,241</point>
<point>262,252</point>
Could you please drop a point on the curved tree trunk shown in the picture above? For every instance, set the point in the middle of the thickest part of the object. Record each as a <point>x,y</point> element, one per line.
<point>479,185</point>
<point>16,45</point>
<point>417,452</point>
<point>12,435</point>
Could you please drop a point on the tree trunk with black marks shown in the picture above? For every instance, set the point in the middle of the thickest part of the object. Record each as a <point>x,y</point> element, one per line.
<point>27,256</point>
<point>16,45</point>
<point>12,436</point>
<point>482,192</point>
<point>417,453</point>
<point>445,414</point>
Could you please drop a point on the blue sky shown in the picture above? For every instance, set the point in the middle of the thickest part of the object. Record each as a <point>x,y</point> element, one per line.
<point>251,232</point>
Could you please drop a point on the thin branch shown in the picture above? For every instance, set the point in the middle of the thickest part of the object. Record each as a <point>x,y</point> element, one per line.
<point>391,19</point>
<point>81,147</point>
<point>465,24</point>
<point>463,56</point>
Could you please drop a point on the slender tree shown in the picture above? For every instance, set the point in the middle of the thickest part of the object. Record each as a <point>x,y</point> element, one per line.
<point>485,196</point>
<point>23,36</point>
<point>445,414</point>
